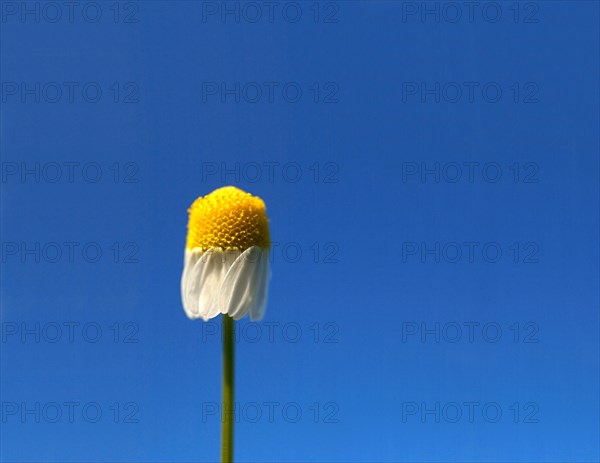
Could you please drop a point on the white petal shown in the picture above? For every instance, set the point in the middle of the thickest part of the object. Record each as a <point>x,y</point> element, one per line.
<point>190,283</point>
<point>212,280</point>
<point>231,282</point>
<point>203,274</point>
<point>241,284</point>
<point>257,310</point>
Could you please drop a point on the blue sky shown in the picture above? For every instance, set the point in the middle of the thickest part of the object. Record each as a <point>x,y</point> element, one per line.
<point>431,177</point>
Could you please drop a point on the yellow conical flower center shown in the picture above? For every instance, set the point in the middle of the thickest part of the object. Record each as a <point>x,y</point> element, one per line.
<point>228,218</point>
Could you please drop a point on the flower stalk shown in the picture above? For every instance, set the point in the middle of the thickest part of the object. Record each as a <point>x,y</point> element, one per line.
<point>228,390</point>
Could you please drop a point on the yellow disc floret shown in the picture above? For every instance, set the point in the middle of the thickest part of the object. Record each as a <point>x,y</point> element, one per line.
<point>228,218</point>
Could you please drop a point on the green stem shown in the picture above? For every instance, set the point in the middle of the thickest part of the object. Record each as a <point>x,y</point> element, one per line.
<point>228,390</point>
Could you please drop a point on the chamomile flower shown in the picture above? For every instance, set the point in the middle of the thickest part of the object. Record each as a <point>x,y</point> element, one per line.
<point>226,265</point>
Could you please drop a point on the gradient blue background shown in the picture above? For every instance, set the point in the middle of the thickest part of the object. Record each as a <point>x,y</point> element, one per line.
<point>369,293</point>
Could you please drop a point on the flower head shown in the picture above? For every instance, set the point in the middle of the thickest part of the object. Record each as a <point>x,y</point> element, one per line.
<point>228,218</point>
<point>226,266</point>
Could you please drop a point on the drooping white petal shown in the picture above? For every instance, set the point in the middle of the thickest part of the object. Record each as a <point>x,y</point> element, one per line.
<point>257,310</point>
<point>229,282</point>
<point>212,280</point>
<point>201,280</point>
<point>242,283</point>
<point>190,283</point>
